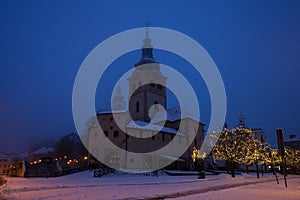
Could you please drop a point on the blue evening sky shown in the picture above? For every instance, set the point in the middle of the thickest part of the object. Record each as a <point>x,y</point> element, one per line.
<point>255,45</point>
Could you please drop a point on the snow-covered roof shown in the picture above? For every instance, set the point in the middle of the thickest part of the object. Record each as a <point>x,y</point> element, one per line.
<point>43,150</point>
<point>3,155</point>
<point>110,111</point>
<point>152,127</point>
<point>21,155</point>
<point>172,158</point>
<point>173,114</point>
<point>295,139</point>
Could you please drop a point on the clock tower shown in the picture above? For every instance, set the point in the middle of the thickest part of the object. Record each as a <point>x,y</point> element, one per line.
<point>146,84</point>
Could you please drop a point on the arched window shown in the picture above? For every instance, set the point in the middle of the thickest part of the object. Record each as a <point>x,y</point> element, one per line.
<point>155,105</point>
<point>137,107</point>
<point>151,83</point>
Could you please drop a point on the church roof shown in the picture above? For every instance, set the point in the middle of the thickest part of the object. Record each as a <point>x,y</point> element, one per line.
<point>173,114</point>
<point>111,111</point>
<point>152,127</point>
<point>147,54</point>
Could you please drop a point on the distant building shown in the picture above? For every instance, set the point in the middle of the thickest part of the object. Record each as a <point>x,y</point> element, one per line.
<point>293,141</point>
<point>144,98</point>
<point>38,154</point>
<point>4,163</point>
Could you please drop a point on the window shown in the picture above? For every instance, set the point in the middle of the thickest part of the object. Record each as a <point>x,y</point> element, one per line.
<point>116,133</point>
<point>152,84</point>
<point>137,107</point>
<point>159,86</point>
<point>155,105</point>
<point>153,137</point>
<point>163,136</point>
<point>106,133</point>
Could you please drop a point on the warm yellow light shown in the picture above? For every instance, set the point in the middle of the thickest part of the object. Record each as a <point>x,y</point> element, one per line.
<point>40,160</point>
<point>85,158</point>
<point>65,156</point>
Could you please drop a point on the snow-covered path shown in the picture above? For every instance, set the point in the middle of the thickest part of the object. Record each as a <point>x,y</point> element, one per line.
<point>84,186</point>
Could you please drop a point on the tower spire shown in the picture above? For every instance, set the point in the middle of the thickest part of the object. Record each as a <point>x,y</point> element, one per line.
<point>147,29</point>
<point>147,40</point>
<point>147,55</point>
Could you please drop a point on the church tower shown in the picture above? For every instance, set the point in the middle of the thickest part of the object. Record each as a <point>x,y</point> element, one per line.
<point>146,84</point>
<point>118,102</point>
<point>242,121</point>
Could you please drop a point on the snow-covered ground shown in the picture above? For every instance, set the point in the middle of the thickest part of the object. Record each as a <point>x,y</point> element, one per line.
<point>84,186</point>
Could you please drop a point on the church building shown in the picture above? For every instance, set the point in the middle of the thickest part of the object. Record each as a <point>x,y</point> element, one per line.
<point>147,98</point>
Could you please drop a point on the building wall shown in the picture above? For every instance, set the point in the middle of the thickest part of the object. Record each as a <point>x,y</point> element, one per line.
<point>134,143</point>
<point>4,165</point>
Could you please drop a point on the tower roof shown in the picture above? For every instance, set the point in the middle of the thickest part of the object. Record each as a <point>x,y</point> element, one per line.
<point>147,55</point>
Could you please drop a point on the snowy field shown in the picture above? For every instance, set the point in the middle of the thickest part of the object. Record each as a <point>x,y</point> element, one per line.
<point>84,186</point>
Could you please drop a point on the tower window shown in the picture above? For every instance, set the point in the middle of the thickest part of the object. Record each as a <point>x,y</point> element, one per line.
<point>159,86</point>
<point>137,107</point>
<point>152,84</point>
<point>116,133</point>
<point>106,133</point>
<point>155,105</point>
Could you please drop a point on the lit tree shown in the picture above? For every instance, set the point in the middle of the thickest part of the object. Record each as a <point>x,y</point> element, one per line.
<point>272,157</point>
<point>236,146</point>
<point>269,156</point>
<point>292,157</point>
